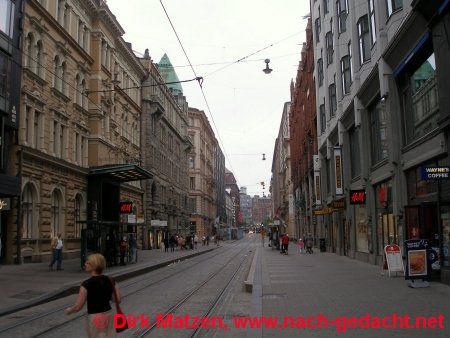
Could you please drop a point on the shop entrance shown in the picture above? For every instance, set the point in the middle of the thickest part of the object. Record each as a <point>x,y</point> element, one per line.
<point>422,222</point>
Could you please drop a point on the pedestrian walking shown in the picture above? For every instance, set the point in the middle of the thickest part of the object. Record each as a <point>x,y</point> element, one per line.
<point>309,244</point>
<point>123,249</point>
<point>166,242</point>
<point>132,243</point>
<point>172,242</point>
<point>204,240</point>
<point>195,241</point>
<point>57,247</point>
<point>285,244</point>
<point>301,245</point>
<point>97,291</point>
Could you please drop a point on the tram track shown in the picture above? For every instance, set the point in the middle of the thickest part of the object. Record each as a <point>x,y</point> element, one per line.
<point>7,331</point>
<point>196,290</point>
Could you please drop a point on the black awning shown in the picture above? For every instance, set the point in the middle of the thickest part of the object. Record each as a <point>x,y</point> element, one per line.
<point>121,172</point>
<point>9,185</point>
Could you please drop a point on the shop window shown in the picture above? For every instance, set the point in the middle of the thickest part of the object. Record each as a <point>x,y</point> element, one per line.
<point>362,231</point>
<point>420,98</point>
<point>78,215</point>
<point>5,76</point>
<point>28,212</point>
<point>378,132</point>
<point>387,229</point>
<point>57,213</point>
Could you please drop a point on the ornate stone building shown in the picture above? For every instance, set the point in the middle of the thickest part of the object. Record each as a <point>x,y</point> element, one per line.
<point>281,185</point>
<point>80,110</point>
<point>202,169</point>
<point>165,148</point>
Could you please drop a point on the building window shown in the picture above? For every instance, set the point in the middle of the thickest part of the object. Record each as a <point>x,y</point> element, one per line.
<point>56,211</point>
<point>320,71</point>
<point>191,162</point>
<point>5,75</point>
<point>393,5</point>
<point>317,29</point>
<point>325,6</point>
<point>363,38</point>
<point>346,74</point>
<point>420,98</point>
<point>28,206</point>
<point>373,31</point>
<point>332,98</point>
<point>355,160</point>
<point>192,205</point>
<point>78,213</point>
<point>378,132</point>
<point>323,122</point>
<point>192,182</point>
<point>7,17</point>
<point>329,47</point>
<point>342,13</point>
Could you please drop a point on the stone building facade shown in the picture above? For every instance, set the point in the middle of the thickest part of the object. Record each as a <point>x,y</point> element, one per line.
<point>166,147</point>
<point>231,185</point>
<point>303,138</point>
<point>80,109</point>
<point>383,114</point>
<point>281,185</point>
<point>202,175</point>
<point>261,209</point>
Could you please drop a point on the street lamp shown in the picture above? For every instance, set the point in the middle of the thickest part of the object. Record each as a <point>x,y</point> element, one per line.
<point>267,70</point>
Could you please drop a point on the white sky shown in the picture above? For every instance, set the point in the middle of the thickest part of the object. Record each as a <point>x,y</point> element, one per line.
<point>246,104</point>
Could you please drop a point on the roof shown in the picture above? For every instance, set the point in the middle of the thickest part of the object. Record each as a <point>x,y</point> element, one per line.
<point>169,75</point>
<point>122,172</point>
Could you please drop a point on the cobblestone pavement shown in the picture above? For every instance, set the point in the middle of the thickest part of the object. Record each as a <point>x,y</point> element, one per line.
<point>306,285</point>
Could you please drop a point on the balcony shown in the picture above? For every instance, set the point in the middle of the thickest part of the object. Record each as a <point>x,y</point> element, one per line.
<point>156,105</point>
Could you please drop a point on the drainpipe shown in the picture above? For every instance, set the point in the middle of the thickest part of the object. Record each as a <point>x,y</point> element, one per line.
<point>19,213</point>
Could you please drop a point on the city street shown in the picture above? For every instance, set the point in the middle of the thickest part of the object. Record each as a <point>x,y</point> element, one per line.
<point>211,286</point>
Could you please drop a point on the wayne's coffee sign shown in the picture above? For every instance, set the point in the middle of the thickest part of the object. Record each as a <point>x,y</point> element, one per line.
<point>126,207</point>
<point>358,196</point>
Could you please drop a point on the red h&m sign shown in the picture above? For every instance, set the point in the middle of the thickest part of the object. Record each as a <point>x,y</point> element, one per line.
<point>126,207</point>
<point>357,197</point>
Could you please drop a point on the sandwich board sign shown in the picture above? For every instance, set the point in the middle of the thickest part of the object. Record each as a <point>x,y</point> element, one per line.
<point>394,259</point>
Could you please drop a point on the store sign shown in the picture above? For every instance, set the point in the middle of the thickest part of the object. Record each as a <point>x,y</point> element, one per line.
<point>126,207</point>
<point>418,265</point>
<point>394,258</point>
<point>317,187</point>
<point>323,211</point>
<point>357,196</point>
<point>338,205</point>
<point>5,204</point>
<point>158,223</point>
<point>435,173</point>
<point>338,170</point>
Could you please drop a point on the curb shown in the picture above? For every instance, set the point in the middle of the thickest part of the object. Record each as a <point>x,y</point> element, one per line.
<point>73,288</point>
<point>248,283</point>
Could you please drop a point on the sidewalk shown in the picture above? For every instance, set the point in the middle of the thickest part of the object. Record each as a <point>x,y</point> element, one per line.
<point>31,284</point>
<point>336,286</point>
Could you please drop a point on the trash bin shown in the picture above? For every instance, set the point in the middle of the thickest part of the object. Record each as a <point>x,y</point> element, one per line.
<point>322,245</point>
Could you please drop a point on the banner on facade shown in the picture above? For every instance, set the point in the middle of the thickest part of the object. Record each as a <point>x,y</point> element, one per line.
<point>435,173</point>
<point>316,163</point>
<point>338,170</point>
<point>158,223</point>
<point>358,196</point>
<point>317,188</point>
<point>394,259</point>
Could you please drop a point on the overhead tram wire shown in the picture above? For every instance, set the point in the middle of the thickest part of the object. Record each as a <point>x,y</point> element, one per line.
<point>200,85</point>
<point>242,59</point>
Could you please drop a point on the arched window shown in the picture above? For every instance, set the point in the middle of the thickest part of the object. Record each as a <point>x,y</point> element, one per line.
<point>28,209</point>
<point>57,220</point>
<point>79,210</point>
<point>29,51</point>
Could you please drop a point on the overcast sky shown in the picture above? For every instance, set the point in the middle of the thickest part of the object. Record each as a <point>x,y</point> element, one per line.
<point>245,103</point>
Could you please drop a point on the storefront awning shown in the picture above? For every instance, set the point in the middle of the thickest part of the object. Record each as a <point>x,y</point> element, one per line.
<point>122,172</point>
